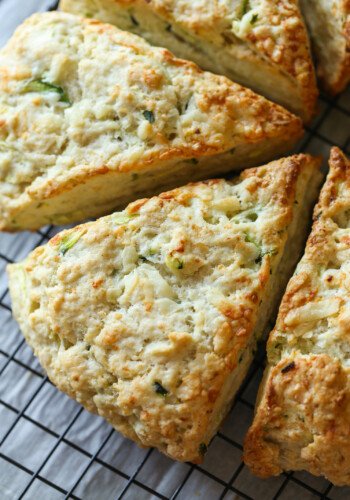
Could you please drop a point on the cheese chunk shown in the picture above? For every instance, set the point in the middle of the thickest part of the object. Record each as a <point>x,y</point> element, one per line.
<point>150,316</point>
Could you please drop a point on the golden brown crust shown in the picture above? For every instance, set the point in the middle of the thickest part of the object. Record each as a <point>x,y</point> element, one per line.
<point>289,51</point>
<point>149,316</point>
<point>302,420</point>
<point>329,26</point>
<point>269,37</point>
<point>141,125</point>
<point>343,77</point>
<point>335,193</point>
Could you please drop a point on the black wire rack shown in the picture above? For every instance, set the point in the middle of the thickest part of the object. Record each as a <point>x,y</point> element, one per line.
<point>51,448</point>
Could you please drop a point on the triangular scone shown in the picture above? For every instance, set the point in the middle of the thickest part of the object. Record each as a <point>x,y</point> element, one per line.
<point>262,44</point>
<point>93,117</point>
<point>329,26</point>
<point>303,412</point>
<point>150,316</point>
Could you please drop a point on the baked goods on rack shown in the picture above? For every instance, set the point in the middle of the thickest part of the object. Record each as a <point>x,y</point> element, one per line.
<point>150,317</point>
<point>302,417</point>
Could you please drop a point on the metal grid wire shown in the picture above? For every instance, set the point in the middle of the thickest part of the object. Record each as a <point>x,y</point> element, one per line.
<point>51,448</point>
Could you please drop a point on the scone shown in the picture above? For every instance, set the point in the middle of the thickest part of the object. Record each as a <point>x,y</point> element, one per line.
<point>303,412</point>
<point>150,316</point>
<point>262,44</point>
<point>329,26</point>
<point>93,117</point>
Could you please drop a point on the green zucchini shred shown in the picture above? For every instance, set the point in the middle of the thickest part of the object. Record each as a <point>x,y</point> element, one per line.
<point>250,239</point>
<point>123,218</point>
<point>42,86</point>
<point>173,263</point>
<point>69,240</point>
<point>245,7</point>
<point>254,18</point>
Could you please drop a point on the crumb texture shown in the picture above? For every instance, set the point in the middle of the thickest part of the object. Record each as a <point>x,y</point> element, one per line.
<point>329,25</point>
<point>90,113</point>
<point>148,316</point>
<point>262,44</point>
<point>303,418</point>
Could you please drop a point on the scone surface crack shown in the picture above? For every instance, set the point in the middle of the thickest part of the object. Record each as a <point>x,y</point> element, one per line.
<point>150,316</point>
<point>93,117</point>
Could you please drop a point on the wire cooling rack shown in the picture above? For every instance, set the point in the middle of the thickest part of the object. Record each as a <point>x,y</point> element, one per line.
<point>51,448</point>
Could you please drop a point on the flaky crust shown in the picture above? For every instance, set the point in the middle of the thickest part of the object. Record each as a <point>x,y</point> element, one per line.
<point>149,317</point>
<point>116,120</point>
<point>270,35</point>
<point>302,417</point>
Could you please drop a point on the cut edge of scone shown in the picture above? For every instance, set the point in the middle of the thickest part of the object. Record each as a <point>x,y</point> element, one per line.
<point>264,47</point>
<point>302,416</point>
<point>307,189</point>
<point>329,27</point>
<point>295,186</point>
<point>343,76</point>
<point>93,194</point>
<point>241,129</point>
